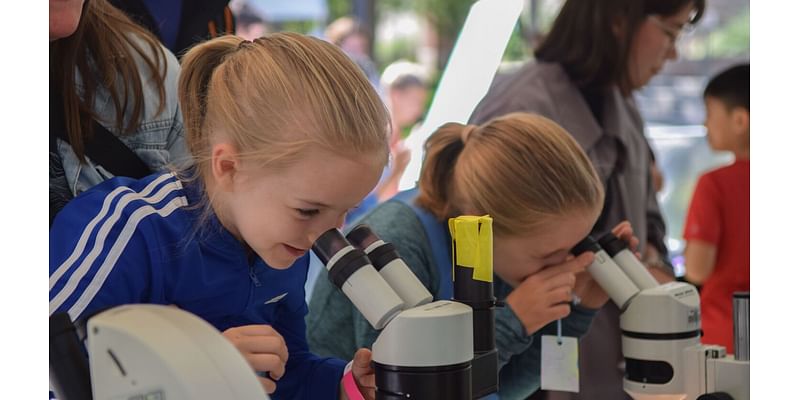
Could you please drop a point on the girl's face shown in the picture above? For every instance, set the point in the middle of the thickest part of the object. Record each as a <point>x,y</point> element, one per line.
<point>654,43</point>
<point>517,257</point>
<point>280,214</point>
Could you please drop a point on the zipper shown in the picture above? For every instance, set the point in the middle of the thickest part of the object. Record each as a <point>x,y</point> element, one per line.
<point>253,276</point>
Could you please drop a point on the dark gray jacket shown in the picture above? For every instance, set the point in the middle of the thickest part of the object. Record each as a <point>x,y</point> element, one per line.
<point>545,89</point>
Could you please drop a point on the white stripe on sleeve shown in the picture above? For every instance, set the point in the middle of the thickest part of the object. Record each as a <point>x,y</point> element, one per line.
<point>99,243</point>
<point>81,245</point>
<point>116,250</point>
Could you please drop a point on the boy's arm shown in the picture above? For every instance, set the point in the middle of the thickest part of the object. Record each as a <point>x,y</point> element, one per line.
<point>700,258</point>
<point>702,231</point>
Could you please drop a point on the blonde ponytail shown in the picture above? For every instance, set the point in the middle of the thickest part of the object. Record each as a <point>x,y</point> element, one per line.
<point>519,168</point>
<point>441,154</point>
<point>197,66</point>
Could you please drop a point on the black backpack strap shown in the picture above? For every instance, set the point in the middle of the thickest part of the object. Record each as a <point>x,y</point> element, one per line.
<point>104,148</point>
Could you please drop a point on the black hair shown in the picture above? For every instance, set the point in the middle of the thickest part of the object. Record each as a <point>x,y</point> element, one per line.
<point>731,86</point>
<point>583,40</point>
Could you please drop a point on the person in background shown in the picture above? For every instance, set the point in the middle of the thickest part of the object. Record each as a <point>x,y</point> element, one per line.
<point>587,67</point>
<point>717,229</point>
<point>348,34</point>
<point>111,83</point>
<point>250,24</point>
<point>180,24</point>
<point>543,201</point>
<point>286,135</point>
<point>405,89</point>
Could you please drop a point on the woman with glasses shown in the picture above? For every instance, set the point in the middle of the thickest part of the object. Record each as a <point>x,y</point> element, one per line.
<point>586,70</point>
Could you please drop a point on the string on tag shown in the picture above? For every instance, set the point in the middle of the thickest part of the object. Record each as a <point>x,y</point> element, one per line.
<point>558,332</point>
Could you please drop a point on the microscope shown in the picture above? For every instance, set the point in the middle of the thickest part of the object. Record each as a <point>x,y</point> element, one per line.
<point>147,352</point>
<point>664,359</point>
<point>426,349</point>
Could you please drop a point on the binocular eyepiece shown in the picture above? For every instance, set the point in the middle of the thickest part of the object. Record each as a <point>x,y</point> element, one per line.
<point>616,268</point>
<point>370,273</point>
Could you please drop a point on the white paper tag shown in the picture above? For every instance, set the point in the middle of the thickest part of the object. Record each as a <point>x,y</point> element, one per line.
<point>560,363</point>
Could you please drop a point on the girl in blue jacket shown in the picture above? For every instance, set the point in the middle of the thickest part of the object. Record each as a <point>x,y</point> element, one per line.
<point>286,135</point>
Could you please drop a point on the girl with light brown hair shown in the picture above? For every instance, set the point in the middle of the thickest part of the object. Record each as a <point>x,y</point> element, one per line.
<point>543,195</point>
<point>286,135</point>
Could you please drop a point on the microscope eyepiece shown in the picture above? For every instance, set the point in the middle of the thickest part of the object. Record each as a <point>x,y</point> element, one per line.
<point>362,237</point>
<point>379,252</point>
<point>619,251</point>
<point>384,257</point>
<point>329,244</point>
<point>351,271</point>
<point>341,259</point>
<point>586,244</point>
<point>607,273</point>
<point>612,244</point>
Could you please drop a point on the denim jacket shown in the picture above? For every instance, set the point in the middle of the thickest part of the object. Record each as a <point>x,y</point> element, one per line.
<point>157,141</point>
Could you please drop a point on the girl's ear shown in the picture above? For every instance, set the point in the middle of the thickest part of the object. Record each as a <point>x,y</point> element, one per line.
<point>225,164</point>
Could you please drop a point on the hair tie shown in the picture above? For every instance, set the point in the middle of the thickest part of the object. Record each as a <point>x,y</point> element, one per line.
<point>466,132</point>
<point>244,44</point>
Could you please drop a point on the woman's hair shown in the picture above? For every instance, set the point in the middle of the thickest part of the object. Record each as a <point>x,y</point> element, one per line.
<point>519,168</point>
<point>583,40</point>
<point>102,53</point>
<point>274,96</point>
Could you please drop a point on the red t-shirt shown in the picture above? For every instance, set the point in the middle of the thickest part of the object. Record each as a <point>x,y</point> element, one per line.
<point>720,215</point>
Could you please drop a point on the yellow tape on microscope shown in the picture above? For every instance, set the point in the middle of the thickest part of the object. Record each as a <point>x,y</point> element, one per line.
<point>472,241</point>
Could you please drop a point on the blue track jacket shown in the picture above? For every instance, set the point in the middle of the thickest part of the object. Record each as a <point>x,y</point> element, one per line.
<point>127,241</point>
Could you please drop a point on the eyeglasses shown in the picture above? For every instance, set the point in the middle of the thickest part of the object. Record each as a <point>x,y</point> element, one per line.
<point>673,33</point>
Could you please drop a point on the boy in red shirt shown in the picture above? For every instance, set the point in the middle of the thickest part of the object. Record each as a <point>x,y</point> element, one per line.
<point>717,229</point>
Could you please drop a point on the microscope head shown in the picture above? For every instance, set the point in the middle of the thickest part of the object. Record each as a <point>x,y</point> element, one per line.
<point>658,321</point>
<point>426,350</point>
<point>419,347</point>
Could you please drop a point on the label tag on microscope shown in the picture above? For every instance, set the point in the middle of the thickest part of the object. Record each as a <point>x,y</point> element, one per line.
<point>560,363</point>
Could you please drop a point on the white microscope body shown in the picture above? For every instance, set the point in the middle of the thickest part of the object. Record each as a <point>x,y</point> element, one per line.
<point>161,352</point>
<point>660,324</point>
<point>426,350</point>
<point>147,352</point>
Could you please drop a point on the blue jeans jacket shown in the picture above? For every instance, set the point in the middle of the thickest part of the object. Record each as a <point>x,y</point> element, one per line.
<point>158,140</point>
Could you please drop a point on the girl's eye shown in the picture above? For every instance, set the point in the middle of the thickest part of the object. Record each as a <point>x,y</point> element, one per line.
<point>306,212</point>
